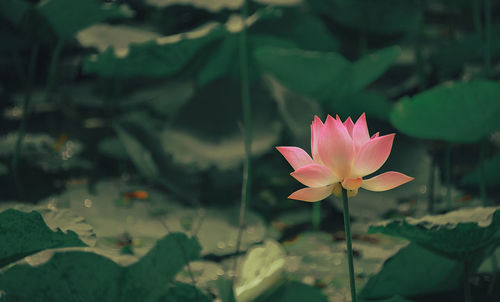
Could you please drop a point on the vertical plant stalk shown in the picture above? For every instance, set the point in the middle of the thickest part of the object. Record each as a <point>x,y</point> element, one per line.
<point>482,172</point>
<point>348,241</point>
<point>447,171</point>
<point>476,17</point>
<point>24,120</point>
<point>487,36</point>
<point>418,46</point>
<point>316,216</point>
<point>247,131</point>
<point>431,187</point>
<point>467,291</point>
<point>54,63</point>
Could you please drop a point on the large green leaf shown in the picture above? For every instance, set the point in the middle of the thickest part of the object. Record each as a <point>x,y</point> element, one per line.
<point>294,291</point>
<point>13,10</point>
<point>334,76</point>
<point>23,234</point>
<point>92,277</point>
<point>365,15</point>
<point>458,234</point>
<point>413,271</point>
<point>460,112</point>
<point>491,168</point>
<point>69,16</point>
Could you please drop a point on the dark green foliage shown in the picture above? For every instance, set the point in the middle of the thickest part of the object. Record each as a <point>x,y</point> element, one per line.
<point>491,168</point>
<point>91,277</point>
<point>459,234</point>
<point>459,112</point>
<point>23,234</point>
<point>413,271</point>
<point>294,291</point>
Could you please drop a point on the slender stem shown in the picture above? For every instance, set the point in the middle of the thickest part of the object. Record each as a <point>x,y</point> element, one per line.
<point>482,173</point>
<point>54,62</point>
<point>487,36</point>
<point>467,291</point>
<point>24,120</point>
<point>348,240</point>
<point>316,216</point>
<point>247,131</point>
<point>447,168</point>
<point>430,204</point>
<point>418,47</point>
<point>476,17</point>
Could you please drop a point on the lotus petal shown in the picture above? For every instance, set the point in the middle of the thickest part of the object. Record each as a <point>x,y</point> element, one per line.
<point>312,194</point>
<point>372,155</point>
<point>336,148</point>
<point>385,181</point>
<point>315,176</point>
<point>295,156</point>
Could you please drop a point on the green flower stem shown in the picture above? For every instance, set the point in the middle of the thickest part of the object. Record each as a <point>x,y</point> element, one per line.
<point>430,204</point>
<point>482,173</point>
<point>348,240</point>
<point>467,291</point>
<point>247,130</point>
<point>54,62</point>
<point>24,120</point>
<point>447,168</point>
<point>476,17</point>
<point>316,215</point>
<point>487,36</point>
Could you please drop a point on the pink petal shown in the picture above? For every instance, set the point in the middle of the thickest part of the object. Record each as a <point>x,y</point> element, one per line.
<point>352,183</point>
<point>336,148</point>
<point>386,181</point>
<point>312,194</point>
<point>316,127</point>
<point>372,155</point>
<point>314,175</point>
<point>295,156</point>
<point>375,135</point>
<point>349,125</point>
<point>360,132</point>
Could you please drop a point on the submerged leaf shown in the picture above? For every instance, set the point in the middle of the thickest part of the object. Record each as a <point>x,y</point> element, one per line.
<point>458,112</point>
<point>23,234</point>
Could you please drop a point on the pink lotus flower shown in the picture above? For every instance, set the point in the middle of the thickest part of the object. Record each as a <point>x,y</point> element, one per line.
<point>342,154</point>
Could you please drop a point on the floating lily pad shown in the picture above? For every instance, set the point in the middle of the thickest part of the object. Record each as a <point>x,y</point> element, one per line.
<point>211,6</point>
<point>92,277</point>
<point>458,234</point>
<point>23,234</point>
<point>262,269</point>
<point>491,168</point>
<point>335,77</point>
<point>424,273</point>
<point>458,112</point>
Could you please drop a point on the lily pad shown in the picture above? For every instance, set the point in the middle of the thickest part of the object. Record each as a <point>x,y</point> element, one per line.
<point>491,168</point>
<point>211,6</point>
<point>335,77</point>
<point>92,277</point>
<point>23,234</point>
<point>456,112</point>
<point>424,273</point>
<point>457,234</point>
